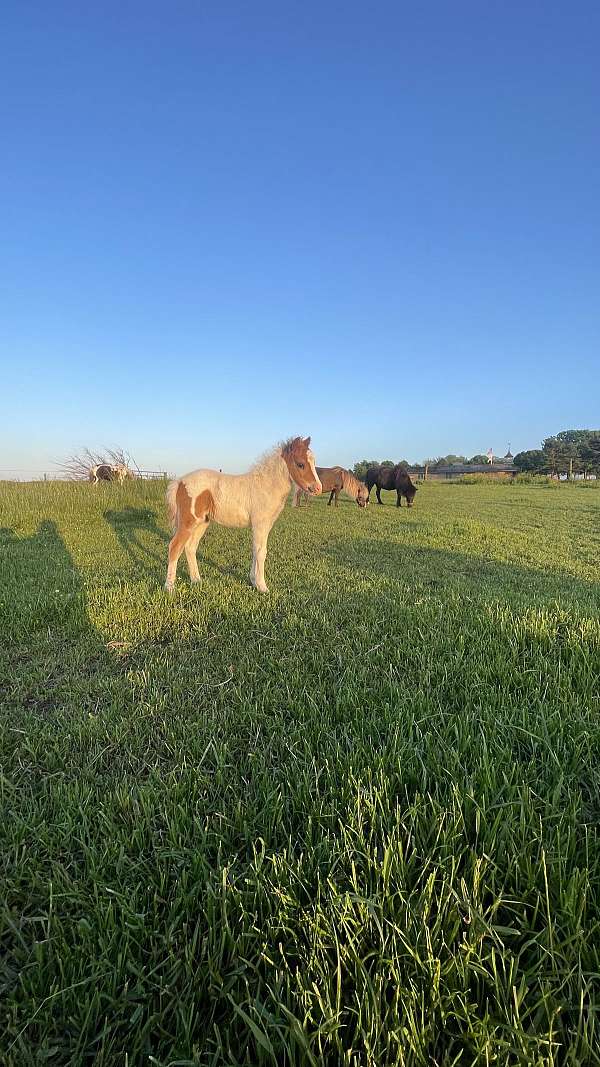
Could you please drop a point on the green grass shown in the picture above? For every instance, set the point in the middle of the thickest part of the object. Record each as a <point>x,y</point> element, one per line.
<point>352,822</point>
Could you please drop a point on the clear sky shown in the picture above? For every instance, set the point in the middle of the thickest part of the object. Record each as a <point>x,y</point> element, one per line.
<point>223,223</point>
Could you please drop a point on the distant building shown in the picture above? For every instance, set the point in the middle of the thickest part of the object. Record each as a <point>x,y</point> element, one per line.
<point>499,468</point>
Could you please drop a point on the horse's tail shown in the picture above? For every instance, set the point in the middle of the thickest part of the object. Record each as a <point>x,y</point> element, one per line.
<point>172,502</point>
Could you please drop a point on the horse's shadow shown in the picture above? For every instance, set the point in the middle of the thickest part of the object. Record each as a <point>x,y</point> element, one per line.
<point>144,542</point>
<point>140,537</point>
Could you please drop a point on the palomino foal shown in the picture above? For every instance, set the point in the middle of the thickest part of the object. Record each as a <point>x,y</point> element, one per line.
<point>253,499</point>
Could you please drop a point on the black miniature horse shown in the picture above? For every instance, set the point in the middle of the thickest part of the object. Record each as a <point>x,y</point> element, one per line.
<point>396,478</point>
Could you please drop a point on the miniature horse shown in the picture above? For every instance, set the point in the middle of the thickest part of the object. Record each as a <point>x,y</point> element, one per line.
<point>253,499</point>
<point>396,478</point>
<point>333,480</point>
<point>109,472</point>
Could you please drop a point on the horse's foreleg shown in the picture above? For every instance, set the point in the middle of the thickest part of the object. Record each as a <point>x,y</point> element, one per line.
<point>336,493</point>
<point>331,496</point>
<point>379,500</point>
<point>260,535</point>
<point>399,500</point>
<point>191,548</point>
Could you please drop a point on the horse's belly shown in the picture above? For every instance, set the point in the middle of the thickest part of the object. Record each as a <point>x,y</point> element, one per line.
<point>231,514</point>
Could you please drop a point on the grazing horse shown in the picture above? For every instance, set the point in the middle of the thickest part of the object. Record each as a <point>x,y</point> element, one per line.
<point>396,478</point>
<point>109,472</point>
<point>333,480</point>
<point>253,499</point>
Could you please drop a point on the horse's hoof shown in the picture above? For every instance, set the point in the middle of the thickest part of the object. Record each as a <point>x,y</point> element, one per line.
<point>168,587</point>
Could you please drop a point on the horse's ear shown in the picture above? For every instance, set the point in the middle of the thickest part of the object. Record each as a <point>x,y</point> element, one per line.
<point>307,442</point>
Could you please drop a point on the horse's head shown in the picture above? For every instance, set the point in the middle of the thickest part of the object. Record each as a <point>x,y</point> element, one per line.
<point>410,492</point>
<point>362,497</point>
<point>301,465</point>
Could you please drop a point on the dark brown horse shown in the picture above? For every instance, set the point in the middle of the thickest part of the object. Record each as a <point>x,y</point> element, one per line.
<point>396,478</point>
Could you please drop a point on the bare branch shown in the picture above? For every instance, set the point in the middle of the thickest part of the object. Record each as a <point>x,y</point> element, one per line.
<point>77,468</point>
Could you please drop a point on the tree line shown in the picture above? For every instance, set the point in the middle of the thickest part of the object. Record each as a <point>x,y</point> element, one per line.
<point>569,452</point>
<point>360,469</point>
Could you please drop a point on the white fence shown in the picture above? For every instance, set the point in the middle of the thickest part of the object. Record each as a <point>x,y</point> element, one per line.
<point>25,474</point>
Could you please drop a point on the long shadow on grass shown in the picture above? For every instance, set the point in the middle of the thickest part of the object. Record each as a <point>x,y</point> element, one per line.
<point>134,528</point>
<point>58,748</point>
<point>59,669</point>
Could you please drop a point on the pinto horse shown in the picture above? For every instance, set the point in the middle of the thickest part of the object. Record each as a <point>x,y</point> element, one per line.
<point>396,478</point>
<point>254,499</point>
<point>109,472</point>
<point>334,480</point>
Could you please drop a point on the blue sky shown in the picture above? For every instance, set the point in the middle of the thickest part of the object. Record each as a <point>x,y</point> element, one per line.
<point>224,223</point>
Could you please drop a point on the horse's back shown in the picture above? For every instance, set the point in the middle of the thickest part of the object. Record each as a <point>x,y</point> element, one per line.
<point>229,493</point>
<point>330,478</point>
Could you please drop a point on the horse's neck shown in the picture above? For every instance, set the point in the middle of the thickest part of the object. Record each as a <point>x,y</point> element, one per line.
<point>273,477</point>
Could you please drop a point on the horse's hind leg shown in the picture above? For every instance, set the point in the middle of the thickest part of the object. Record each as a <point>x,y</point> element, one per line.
<point>399,500</point>
<point>192,547</point>
<point>331,496</point>
<point>181,539</point>
<point>176,547</point>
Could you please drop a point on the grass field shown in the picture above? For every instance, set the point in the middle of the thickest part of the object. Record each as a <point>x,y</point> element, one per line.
<point>352,822</point>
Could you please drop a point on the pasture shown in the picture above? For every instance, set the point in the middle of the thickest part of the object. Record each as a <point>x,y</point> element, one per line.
<point>351,822</point>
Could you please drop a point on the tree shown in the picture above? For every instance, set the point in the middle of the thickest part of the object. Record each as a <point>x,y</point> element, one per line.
<point>445,461</point>
<point>553,451</point>
<point>578,453</point>
<point>571,458</point>
<point>534,460</point>
<point>589,453</point>
<point>574,437</point>
<point>360,469</point>
<point>478,459</point>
